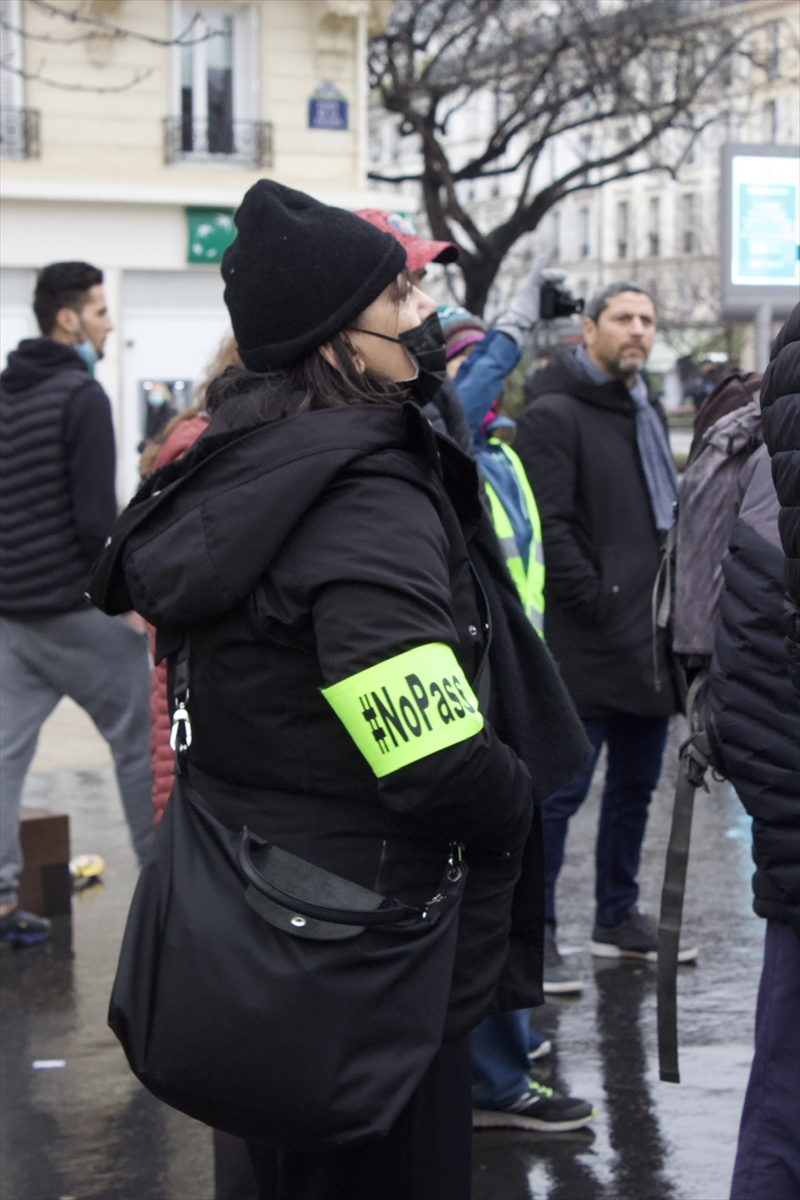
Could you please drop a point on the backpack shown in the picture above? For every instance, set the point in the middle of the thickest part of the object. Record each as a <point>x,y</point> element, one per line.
<point>732,392</point>
<point>707,507</point>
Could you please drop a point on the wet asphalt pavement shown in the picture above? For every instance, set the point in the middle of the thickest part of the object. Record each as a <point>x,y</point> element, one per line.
<point>89,1131</point>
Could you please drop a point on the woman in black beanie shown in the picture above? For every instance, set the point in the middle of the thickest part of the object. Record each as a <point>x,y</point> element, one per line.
<point>329,564</point>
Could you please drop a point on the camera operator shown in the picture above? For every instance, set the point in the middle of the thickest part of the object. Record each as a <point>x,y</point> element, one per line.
<point>593,442</point>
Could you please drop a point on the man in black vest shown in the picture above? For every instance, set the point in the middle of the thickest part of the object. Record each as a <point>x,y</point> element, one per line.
<point>58,505</point>
<point>594,444</point>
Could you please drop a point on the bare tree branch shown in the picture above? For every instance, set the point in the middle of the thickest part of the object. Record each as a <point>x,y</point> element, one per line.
<point>38,77</point>
<point>100,25</point>
<point>636,83</point>
<point>115,34</point>
<point>93,27</point>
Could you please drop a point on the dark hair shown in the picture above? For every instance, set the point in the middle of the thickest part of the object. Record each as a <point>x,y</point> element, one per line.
<point>62,285</point>
<point>310,383</point>
<point>600,299</point>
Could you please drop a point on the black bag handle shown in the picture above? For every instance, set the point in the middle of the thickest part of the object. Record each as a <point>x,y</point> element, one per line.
<point>392,915</point>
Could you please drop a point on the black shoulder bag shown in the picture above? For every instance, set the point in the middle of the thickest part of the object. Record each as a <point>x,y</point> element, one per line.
<point>270,998</point>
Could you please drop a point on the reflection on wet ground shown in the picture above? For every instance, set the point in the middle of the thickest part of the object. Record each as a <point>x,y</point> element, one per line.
<point>88,1131</point>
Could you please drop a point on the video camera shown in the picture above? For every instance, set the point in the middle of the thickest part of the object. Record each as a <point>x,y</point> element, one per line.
<point>557,301</point>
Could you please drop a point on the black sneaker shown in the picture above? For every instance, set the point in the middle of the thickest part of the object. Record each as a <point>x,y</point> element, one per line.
<point>635,937</point>
<point>540,1108</point>
<point>20,928</point>
<point>558,979</point>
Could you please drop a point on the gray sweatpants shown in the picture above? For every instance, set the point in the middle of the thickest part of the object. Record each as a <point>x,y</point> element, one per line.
<point>103,665</point>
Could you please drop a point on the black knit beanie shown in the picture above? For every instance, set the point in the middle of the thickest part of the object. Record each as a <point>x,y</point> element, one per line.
<point>298,272</point>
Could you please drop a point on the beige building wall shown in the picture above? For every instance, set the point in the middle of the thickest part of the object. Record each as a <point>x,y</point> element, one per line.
<point>91,136</point>
<point>99,189</point>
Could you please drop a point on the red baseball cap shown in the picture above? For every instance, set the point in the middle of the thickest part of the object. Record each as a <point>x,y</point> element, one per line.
<point>419,252</point>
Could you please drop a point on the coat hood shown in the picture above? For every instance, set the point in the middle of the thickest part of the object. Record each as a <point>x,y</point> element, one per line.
<point>565,374</point>
<point>200,532</point>
<point>35,360</point>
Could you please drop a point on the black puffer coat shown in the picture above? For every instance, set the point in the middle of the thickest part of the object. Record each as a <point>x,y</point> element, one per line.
<point>748,705</point>
<point>577,442</point>
<point>57,502</point>
<point>780,403</point>
<point>301,552</point>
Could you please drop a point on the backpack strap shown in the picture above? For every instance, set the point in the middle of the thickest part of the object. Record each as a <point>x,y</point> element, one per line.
<point>695,756</point>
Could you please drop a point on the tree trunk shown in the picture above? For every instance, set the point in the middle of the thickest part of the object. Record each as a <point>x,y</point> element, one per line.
<point>480,272</point>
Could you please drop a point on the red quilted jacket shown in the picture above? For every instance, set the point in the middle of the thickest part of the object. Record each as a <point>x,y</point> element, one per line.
<point>161,756</point>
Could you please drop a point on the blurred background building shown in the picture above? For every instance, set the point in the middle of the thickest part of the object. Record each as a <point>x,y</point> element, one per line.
<point>660,230</point>
<point>130,129</point>
<point>128,136</point>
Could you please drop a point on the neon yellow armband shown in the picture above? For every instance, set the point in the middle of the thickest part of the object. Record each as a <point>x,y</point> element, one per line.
<point>407,707</point>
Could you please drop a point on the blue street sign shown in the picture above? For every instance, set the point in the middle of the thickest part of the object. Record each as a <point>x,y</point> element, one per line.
<point>327,108</point>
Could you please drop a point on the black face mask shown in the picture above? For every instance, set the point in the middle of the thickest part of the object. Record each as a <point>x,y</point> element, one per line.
<point>425,346</point>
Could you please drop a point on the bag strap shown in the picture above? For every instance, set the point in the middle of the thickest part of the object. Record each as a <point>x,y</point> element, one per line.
<point>695,756</point>
<point>661,601</point>
<point>482,683</point>
<point>180,737</point>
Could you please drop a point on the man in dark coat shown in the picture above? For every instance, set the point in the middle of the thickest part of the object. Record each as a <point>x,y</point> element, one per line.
<point>594,444</point>
<point>58,506</point>
<point>753,720</point>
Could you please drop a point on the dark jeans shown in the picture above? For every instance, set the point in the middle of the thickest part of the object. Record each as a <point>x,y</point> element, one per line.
<point>635,750</point>
<point>768,1155</point>
<point>500,1065</point>
<point>427,1154</point>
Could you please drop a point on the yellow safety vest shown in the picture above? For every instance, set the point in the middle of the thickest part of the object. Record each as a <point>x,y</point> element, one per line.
<point>530,583</point>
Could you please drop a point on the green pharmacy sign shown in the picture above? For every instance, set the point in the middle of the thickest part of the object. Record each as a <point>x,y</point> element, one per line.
<point>209,232</point>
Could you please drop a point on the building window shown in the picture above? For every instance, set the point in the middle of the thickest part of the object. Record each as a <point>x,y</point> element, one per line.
<point>774,50</point>
<point>654,230</point>
<point>207,86</point>
<point>623,228</point>
<point>584,217</point>
<point>19,126</point>
<point>688,223</point>
<point>557,236</point>
<point>215,88</point>
<point>770,122</point>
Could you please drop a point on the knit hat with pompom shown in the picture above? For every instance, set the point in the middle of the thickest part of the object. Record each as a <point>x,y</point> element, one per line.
<point>460,327</point>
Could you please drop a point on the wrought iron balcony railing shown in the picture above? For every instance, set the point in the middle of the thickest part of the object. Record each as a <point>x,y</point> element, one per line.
<point>19,133</point>
<point>241,143</point>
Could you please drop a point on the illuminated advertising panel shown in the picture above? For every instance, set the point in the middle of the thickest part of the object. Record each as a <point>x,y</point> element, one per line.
<point>760,228</point>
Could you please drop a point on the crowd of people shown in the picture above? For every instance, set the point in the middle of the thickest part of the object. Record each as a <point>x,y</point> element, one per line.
<point>363,620</point>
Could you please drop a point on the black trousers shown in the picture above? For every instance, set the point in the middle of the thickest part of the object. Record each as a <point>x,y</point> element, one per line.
<point>233,1171</point>
<point>427,1155</point>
